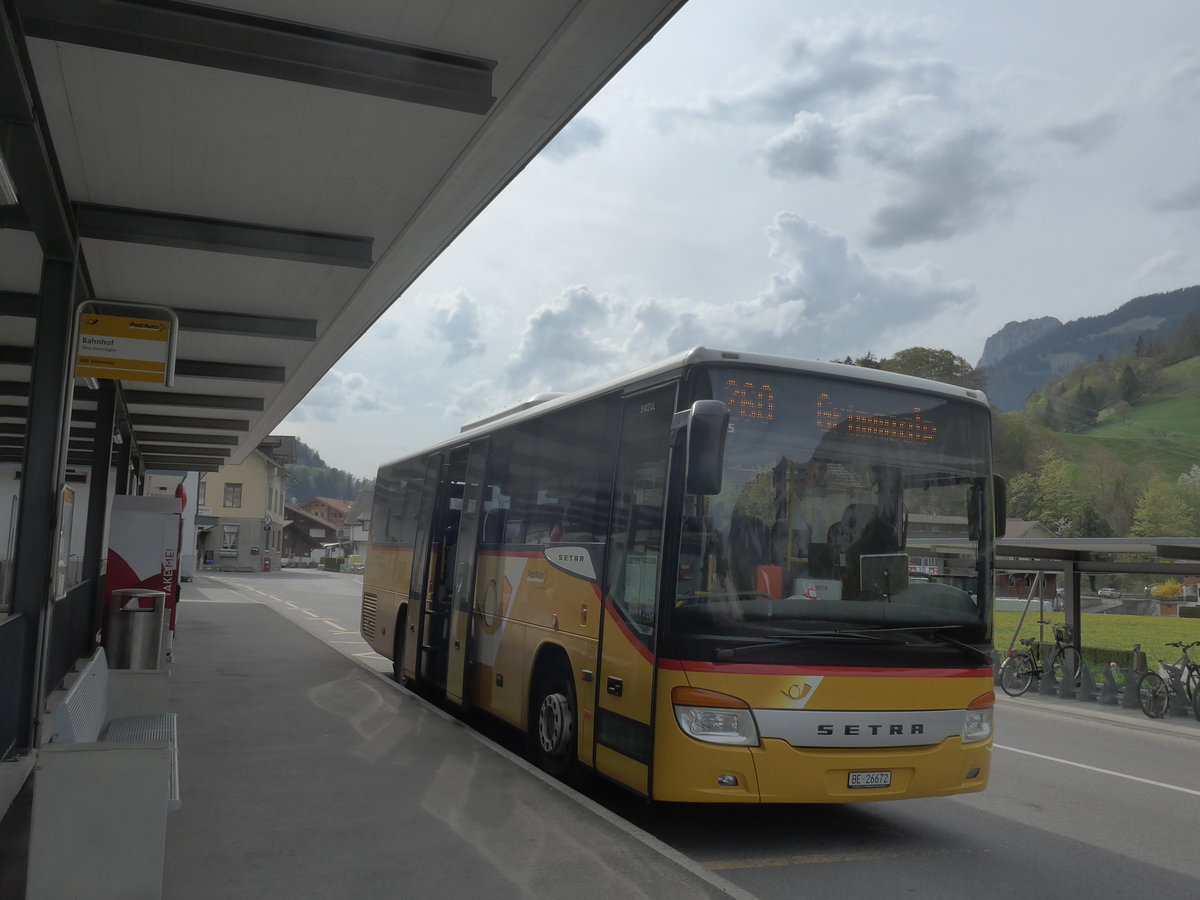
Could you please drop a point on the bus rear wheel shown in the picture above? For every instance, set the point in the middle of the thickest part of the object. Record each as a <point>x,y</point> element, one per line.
<point>553,732</point>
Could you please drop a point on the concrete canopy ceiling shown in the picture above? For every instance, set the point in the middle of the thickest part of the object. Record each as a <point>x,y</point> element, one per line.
<point>276,172</point>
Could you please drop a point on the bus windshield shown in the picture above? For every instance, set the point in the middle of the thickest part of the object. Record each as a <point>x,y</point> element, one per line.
<point>846,509</point>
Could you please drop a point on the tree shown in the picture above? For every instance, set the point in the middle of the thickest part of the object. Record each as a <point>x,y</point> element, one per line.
<point>1050,496</point>
<point>1162,512</point>
<point>938,365</point>
<point>1128,385</point>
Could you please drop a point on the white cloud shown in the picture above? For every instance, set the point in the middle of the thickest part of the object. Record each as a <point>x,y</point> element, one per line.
<point>1086,135</point>
<point>829,296</point>
<point>943,187</point>
<point>562,338</point>
<point>582,134</point>
<point>1182,198</point>
<point>836,61</point>
<point>808,147</point>
<point>1162,264</point>
<point>942,171</point>
<point>825,301</point>
<point>340,393</point>
<point>456,326</point>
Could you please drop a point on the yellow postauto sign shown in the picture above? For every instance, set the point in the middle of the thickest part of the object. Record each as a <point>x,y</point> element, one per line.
<point>123,347</point>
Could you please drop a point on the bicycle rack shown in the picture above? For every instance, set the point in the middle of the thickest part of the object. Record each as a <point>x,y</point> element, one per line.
<point>1180,704</point>
<point>1110,691</point>
<point>1129,697</point>
<point>1087,681</point>
<point>1066,687</point>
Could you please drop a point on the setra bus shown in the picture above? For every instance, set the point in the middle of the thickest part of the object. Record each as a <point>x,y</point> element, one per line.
<point>728,577</point>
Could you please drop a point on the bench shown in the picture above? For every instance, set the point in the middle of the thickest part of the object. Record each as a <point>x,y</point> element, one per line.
<point>106,775</point>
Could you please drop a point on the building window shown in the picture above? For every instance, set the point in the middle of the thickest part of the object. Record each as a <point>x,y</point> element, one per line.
<point>229,539</point>
<point>200,494</point>
<point>233,496</point>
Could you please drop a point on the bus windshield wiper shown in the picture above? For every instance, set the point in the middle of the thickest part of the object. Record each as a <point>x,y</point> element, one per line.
<point>793,640</point>
<point>937,633</point>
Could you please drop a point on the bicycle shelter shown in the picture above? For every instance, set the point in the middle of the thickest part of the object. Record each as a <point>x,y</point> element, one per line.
<point>1076,558</point>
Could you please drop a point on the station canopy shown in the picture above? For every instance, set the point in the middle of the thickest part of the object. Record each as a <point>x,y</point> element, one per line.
<point>277,173</point>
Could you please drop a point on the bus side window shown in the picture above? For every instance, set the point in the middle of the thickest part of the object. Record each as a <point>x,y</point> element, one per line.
<point>493,527</point>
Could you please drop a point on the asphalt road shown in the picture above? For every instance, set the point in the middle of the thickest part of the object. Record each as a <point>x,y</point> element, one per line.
<point>1076,806</point>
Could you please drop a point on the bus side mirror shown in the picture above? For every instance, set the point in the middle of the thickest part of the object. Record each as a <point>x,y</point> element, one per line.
<point>1000,504</point>
<point>707,424</point>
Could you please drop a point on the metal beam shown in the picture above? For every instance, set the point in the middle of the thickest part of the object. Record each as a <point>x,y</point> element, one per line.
<point>20,305</point>
<point>201,368</point>
<point>83,458</point>
<point>1100,568</point>
<point>271,48</point>
<point>205,401</point>
<point>184,450</point>
<point>190,422</point>
<point>170,437</point>
<point>28,150</point>
<point>139,226</point>
<point>241,323</point>
<point>193,368</point>
<point>17,304</point>
<point>182,464</point>
<point>41,474</point>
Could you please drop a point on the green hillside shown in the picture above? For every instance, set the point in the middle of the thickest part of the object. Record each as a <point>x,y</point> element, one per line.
<point>1099,451</point>
<point>1162,430</point>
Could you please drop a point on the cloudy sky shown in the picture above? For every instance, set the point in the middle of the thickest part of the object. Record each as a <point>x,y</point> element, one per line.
<point>796,177</point>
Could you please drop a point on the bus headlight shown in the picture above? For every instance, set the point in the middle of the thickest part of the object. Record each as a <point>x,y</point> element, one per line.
<point>714,717</point>
<point>977,723</point>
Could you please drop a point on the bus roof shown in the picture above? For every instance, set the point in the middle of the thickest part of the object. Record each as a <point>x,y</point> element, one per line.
<point>543,403</point>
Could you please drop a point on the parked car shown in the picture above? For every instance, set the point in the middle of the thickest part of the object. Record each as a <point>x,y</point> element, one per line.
<point>1108,593</point>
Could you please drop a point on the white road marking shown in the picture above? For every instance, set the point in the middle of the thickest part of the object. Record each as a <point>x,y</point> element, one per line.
<point>1078,765</point>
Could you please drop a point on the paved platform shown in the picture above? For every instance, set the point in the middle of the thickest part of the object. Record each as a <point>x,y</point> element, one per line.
<point>308,774</point>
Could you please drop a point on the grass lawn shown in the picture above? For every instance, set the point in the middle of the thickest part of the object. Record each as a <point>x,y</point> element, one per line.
<point>1114,632</point>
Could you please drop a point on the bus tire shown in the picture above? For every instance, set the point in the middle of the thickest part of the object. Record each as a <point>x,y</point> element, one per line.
<point>398,675</point>
<point>554,717</point>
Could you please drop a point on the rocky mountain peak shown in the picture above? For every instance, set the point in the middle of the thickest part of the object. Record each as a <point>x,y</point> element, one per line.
<point>1015,336</point>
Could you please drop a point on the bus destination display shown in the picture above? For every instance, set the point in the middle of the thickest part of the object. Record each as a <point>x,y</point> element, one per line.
<point>901,428</point>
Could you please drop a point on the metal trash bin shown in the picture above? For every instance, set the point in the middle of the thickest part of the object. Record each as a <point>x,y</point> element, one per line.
<point>135,629</point>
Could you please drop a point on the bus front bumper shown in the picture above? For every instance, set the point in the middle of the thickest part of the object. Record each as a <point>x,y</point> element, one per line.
<point>776,772</point>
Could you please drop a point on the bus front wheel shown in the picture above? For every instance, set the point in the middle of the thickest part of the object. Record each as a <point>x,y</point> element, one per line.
<point>553,735</point>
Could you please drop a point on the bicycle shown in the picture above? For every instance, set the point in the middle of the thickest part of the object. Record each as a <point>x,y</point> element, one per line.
<point>1021,667</point>
<point>1154,691</point>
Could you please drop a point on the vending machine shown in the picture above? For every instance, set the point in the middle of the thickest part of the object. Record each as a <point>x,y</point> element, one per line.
<point>143,552</point>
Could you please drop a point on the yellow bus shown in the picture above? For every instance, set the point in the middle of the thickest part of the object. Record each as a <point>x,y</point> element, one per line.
<point>728,577</point>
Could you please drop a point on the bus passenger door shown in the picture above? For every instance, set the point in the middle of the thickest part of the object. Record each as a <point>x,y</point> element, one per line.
<point>624,711</point>
<point>463,587</point>
<point>418,582</point>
